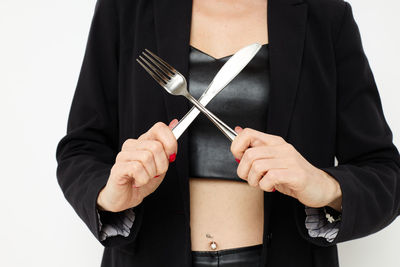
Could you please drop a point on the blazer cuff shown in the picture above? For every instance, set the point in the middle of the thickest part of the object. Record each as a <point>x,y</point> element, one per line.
<point>102,221</point>
<point>320,224</point>
<point>115,223</point>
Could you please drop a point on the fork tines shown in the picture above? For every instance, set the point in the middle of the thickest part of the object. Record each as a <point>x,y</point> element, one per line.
<point>160,70</point>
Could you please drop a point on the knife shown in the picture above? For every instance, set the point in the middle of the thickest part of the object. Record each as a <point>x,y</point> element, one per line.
<point>224,76</point>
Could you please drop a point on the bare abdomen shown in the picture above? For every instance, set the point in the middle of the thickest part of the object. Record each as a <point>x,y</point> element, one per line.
<point>230,213</point>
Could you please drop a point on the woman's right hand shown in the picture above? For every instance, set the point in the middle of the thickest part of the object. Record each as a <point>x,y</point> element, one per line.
<point>139,168</point>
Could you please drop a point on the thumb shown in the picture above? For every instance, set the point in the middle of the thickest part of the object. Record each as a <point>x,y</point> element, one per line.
<point>238,129</point>
<point>173,123</point>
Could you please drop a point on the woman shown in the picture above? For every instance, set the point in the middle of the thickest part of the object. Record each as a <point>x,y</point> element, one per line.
<point>152,200</point>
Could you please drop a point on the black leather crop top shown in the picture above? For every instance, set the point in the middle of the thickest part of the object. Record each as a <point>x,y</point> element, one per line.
<point>242,103</point>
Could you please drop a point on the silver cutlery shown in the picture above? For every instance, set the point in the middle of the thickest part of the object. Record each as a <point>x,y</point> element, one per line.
<point>175,83</point>
<point>225,75</point>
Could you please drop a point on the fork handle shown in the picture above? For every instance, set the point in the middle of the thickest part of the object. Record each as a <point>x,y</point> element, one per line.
<point>225,129</point>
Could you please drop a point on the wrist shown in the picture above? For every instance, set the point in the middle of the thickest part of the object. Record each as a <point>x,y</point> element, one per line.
<point>100,201</point>
<point>336,204</point>
<point>335,200</point>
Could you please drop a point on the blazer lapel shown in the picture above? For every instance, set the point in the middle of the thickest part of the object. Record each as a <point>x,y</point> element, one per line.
<point>286,32</point>
<point>172,28</point>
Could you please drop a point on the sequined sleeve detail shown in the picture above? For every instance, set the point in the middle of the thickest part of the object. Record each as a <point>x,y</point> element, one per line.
<point>113,224</point>
<point>318,225</point>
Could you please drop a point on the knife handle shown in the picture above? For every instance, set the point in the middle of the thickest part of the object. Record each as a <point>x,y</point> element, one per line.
<point>184,123</point>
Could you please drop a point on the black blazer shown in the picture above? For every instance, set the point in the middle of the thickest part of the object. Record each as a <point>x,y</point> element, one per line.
<point>323,100</point>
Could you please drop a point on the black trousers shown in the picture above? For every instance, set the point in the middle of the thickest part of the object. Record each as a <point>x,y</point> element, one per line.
<point>235,257</point>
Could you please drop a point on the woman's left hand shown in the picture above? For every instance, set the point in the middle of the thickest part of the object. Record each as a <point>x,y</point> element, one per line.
<point>269,162</point>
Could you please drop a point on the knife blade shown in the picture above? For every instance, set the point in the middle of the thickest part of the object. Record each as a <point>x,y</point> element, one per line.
<point>224,76</point>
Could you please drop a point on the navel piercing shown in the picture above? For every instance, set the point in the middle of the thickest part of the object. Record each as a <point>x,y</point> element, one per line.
<point>213,245</point>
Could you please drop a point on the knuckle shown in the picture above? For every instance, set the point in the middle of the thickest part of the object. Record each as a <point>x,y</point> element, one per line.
<point>239,173</point>
<point>248,155</point>
<point>258,167</point>
<point>139,181</point>
<point>253,181</point>
<point>157,147</point>
<point>284,148</point>
<point>289,147</point>
<point>250,180</point>
<point>119,157</point>
<point>114,168</point>
<point>147,157</point>
<point>144,179</point>
<point>138,169</point>
<point>280,139</point>
<point>262,184</point>
<point>171,145</point>
<point>159,125</point>
<point>152,145</point>
<point>270,174</point>
<point>128,143</point>
<point>252,154</point>
<point>246,131</point>
<point>135,168</point>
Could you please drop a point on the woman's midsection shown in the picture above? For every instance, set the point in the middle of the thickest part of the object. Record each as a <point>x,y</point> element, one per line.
<point>230,213</point>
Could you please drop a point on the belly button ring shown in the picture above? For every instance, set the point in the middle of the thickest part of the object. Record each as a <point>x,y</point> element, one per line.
<point>213,245</point>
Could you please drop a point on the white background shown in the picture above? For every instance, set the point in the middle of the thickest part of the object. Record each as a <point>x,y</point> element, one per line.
<point>41,50</point>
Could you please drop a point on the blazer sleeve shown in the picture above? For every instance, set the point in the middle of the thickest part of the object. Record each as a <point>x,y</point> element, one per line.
<point>369,164</point>
<point>87,152</point>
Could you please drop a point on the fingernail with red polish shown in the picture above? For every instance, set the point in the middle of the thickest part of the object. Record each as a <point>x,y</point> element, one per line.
<point>156,176</point>
<point>173,123</point>
<point>273,190</point>
<point>238,129</point>
<point>172,157</point>
<point>237,160</point>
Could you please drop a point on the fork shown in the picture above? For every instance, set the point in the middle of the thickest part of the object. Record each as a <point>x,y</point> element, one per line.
<point>175,83</point>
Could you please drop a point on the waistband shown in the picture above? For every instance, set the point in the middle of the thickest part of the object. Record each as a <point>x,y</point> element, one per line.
<point>236,257</point>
